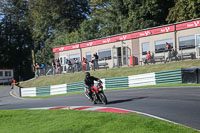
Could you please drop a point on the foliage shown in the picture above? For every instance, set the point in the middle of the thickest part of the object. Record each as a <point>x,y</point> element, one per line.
<point>15,37</point>
<point>48,17</point>
<point>45,55</point>
<point>40,25</point>
<point>184,10</point>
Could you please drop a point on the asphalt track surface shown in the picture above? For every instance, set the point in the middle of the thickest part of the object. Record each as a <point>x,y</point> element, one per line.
<point>180,104</point>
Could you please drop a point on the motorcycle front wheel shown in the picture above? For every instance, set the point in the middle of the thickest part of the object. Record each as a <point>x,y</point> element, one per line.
<point>103,98</point>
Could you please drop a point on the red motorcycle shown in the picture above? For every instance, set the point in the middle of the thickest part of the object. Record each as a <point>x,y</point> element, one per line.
<point>98,94</point>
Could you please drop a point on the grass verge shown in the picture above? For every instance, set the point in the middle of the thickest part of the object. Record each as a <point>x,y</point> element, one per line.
<point>68,121</point>
<point>115,72</point>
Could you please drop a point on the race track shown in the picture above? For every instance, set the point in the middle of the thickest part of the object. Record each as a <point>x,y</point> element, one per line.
<point>180,105</point>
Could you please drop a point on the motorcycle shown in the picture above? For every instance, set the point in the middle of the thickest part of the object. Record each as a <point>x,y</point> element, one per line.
<point>98,94</point>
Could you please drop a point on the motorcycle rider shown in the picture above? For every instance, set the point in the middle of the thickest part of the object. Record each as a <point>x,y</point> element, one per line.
<point>89,83</point>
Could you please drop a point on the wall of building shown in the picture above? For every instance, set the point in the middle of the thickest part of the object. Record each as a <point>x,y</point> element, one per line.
<point>6,75</point>
<point>111,46</point>
<point>136,50</point>
<point>134,41</point>
<point>152,39</point>
<point>184,33</point>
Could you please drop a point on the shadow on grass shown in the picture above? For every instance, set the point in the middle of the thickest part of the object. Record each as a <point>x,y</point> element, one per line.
<point>125,100</point>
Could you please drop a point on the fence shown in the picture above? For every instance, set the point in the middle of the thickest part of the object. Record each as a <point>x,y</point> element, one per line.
<point>173,76</point>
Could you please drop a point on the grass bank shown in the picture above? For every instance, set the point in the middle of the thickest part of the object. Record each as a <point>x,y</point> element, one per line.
<point>68,121</point>
<point>115,72</point>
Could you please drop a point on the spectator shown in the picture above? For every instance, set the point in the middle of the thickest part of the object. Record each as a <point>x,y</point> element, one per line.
<point>95,61</point>
<point>69,63</point>
<point>13,83</point>
<point>43,68</point>
<point>84,62</point>
<point>148,58</point>
<point>58,66</point>
<point>37,70</point>
<point>53,66</point>
<point>75,65</point>
<point>169,48</point>
<point>174,54</point>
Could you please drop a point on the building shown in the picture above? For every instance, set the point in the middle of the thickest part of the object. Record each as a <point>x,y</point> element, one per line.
<point>118,49</point>
<point>6,76</point>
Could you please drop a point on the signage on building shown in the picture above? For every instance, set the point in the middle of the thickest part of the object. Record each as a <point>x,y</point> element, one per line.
<point>139,34</point>
<point>188,25</point>
<point>65,48</point>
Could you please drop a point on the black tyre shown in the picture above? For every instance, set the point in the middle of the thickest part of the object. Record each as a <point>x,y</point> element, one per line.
<point>103,98</point>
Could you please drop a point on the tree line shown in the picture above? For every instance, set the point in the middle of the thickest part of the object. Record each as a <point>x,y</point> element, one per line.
<point>40,25</point>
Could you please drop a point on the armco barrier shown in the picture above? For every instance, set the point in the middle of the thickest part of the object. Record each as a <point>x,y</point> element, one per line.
<point>17,90</point>
<point>43,91</point>
<point>173,76</point>
<point>28,92</point>
<point>75,87</point>
<point>58,89</point>
<point>142,80</point>
<point>119,82</point>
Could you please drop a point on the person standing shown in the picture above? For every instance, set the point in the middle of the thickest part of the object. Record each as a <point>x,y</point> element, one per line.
<point>75,65</point>
<point>37,70</point>
<point>69,64</point>
<point>13,83</point>
<point>53,67</point>
<point>43,68</point>
<point>95,61</point>
<point>84,62</point>
<point>169,48</point>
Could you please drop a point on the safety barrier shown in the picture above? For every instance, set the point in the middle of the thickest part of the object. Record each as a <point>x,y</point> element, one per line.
<point>142,80</point>
<point>75,87</point>
<point>173,76</point>
<point>43,91</point>
<point>28,92</point>
<point>58,89</point>
<point>119,82</point>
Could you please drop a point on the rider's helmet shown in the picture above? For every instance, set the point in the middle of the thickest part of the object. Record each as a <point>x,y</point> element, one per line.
<point>87,74</point>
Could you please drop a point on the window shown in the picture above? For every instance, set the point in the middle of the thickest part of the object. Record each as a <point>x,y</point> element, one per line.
<point>89,56</point>
<point>7,73</point>
<point>186,42</point>
<point>160,46</point>
<point>71,57</point>
<point>145,48</point>
<point>105,54</point>
<point>1,73</point>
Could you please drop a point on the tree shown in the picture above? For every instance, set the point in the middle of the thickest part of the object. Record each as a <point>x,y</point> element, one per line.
<point>55,22</point>
<point>55,16</point>
<point>184,10</point>
<point>16,37</point>
<point>124,16</point>
<point>146,13</point>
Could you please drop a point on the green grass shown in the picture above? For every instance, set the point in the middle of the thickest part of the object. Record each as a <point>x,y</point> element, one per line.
<point>68,121</point>
<point>115,72</point>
